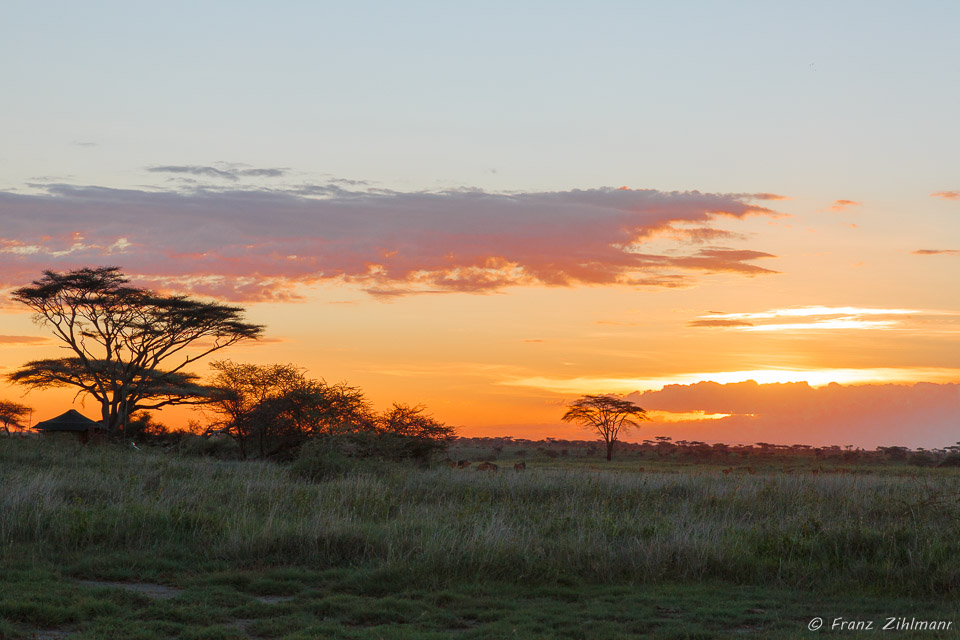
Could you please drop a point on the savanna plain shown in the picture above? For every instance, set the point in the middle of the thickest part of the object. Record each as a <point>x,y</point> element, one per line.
<point>180,542</point>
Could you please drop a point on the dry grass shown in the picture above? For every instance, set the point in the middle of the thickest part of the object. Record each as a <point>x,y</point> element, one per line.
<point>893,534</point>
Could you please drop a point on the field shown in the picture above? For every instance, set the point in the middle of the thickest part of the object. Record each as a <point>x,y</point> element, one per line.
<point>107,542</point>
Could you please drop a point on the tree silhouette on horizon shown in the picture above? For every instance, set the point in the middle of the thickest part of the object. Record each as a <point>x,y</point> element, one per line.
<point>607,415</point>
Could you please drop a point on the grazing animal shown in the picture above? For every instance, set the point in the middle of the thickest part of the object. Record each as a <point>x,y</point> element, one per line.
<point>520,466</point>
<point>451,464</point>
<point>487,466</point>
<point>751,471</point>
<point>463,464</point>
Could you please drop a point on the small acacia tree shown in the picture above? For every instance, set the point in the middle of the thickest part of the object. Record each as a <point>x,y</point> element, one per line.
<point>128,343</point>
<point>605,414</point>
<point>408,432</point>
<point>12,415</point>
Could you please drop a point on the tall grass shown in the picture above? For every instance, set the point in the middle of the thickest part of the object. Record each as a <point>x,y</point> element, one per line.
<point>893,534</point>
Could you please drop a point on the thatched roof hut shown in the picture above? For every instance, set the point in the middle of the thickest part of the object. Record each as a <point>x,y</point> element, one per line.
<point>72,421</point>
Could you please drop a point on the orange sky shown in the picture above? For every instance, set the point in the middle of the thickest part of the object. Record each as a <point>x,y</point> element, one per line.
<point>831,307</point>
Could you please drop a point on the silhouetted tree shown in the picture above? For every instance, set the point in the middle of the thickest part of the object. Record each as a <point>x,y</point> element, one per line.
<point>276,407</point>
<point>407,432</point>
<point>12,415</point>
<point>606,414</point>
<point>122,337</point>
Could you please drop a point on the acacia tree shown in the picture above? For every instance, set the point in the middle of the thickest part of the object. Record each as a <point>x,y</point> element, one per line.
<point>129,344</point>
<point>408,432</point>
<point>276,407</point>
<point>607,415</point>
<point>12,415</point>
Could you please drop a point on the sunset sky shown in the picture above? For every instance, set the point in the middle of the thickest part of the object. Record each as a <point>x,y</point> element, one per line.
<point>744,215</point>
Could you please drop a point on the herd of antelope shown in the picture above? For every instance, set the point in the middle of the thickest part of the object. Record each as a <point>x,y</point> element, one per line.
<point>484,466</point>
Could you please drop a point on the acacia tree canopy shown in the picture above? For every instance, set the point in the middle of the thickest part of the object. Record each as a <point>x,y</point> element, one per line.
<point>275,407</point>
<point>12,414</point>
<point>605,414</point>
<point>129,345</point>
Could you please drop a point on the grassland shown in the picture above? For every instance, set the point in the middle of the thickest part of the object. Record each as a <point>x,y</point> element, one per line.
<point>568,549</point>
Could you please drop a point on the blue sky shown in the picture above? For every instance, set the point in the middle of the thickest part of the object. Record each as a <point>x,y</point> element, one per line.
<point>804,98</point>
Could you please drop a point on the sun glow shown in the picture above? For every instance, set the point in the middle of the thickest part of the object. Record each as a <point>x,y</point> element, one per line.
<point>819,325</point>
<point>670,416</point>
<point>813,377</point>
<point>813,311</point>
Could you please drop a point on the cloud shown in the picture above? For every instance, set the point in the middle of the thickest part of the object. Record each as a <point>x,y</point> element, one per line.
<point>815,377</point>
<point>923,414</point>
<point>946,195</point>
<point>840,205</point>
<point>260,244</point>
<point>23,340</point>
<point>936,252</point>
<point>226,172</point>
<point>818,318</point>
<point>719,323</point>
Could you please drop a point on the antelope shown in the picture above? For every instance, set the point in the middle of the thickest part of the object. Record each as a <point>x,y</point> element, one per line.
<point>463,464</point>
<point>487,466</point>
<point>520,466</point>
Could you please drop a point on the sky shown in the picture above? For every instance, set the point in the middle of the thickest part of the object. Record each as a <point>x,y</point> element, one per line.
<point>743,216</point>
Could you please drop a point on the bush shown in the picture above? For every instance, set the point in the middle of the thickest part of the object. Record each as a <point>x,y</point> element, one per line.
<point>317,461</point>
<point>220,447</point>
<point>921,459</point>
<point>953,460</point>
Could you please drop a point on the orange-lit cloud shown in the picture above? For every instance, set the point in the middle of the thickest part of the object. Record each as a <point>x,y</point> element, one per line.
<point>947,195</point>
<point>254,245</point>
<point>813,377</point>
<point>922,414</point>
<point>25,340</point>
<point>708,322</point>
<point>818,318</point>
<point>840,205</point>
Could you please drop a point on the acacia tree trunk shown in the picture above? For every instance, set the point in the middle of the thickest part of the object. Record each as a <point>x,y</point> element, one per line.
<point>610,449</point>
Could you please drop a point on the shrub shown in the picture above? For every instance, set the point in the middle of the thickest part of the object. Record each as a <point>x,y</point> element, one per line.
<point>219,447</point>
<point>317,461</point>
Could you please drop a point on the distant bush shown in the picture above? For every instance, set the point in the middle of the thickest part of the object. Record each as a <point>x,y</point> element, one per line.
<point>921,459</point>
<point>952,460</point>
<point>318,461</point>
<point>219,447</point>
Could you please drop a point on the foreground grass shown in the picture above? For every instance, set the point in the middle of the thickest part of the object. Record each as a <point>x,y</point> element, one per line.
<point>550,553</point>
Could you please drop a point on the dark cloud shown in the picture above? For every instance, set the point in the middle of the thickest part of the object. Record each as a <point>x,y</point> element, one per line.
<point>719,323</point>
<point>923,414</point>
<point>935,252</point>
<point>244,244</point>
<point>226,173</point>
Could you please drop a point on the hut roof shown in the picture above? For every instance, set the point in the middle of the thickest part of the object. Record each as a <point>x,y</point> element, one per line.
<point>72,420</point>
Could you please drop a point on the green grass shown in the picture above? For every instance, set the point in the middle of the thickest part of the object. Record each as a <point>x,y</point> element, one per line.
<point>562,551</point>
